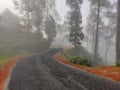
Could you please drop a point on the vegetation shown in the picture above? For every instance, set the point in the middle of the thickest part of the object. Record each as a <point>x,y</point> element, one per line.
<point>12,39</point>
<point>33,31</point>
<point>75,22</point>
<point>39,25</point>
<point>104,31</point>
<point>118,63</point>
<point>77,57</point>
<point>118,35</point>
<point>4,60</point>
<point>81,53</point>
<point>39,18</point>
<point>81,60</point>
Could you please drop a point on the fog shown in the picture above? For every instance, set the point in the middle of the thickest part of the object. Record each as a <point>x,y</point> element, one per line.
<point>36,26</point>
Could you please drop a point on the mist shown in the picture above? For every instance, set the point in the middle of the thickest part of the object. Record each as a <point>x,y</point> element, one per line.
<point>32,28</point>
<point>59,44</point>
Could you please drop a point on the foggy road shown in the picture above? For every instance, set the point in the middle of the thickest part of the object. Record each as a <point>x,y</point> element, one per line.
<point>43,72</point>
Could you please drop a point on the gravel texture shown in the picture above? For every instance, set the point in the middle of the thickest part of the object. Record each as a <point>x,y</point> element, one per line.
<point>43,72</point>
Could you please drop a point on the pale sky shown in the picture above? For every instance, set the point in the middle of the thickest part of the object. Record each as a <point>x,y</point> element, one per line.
<point>61,7</point>
<point>6,4</point>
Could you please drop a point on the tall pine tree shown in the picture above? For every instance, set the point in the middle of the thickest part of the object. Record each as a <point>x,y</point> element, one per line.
<point>76,34</point>
<point>50,29</point>
<point>118,34</point>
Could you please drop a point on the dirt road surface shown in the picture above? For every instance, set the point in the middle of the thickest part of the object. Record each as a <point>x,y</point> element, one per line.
<point>43,72</point>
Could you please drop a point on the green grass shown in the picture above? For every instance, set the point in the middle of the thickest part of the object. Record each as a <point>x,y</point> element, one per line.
<point>76,59</point>
<point>81,60</point>
<point>4,60</point>
<point>80,51</point>
<point>11,45</point>
<point>6,57</point>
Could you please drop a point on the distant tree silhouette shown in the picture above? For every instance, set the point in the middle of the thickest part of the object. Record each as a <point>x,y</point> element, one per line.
<point>118,34</point>
<point>76,35</point>
<point>50,29</point>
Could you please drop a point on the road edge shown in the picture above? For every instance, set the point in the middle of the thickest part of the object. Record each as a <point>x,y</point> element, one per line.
<point>95,75</point>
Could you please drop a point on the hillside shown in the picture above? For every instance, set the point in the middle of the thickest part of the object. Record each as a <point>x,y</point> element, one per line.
<point>12,38</point>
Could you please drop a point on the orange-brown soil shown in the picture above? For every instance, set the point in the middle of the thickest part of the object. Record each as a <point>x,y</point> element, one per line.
<point>5,70</point>
<point>110,72</point>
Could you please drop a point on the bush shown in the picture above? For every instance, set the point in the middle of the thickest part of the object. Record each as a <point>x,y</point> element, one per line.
<point>72,59</point>
<point>81,60</point>
<point>63,53</point>
<point>82,52</point>
<point>118,63</point>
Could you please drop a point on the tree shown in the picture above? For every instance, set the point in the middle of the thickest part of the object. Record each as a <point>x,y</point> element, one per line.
<point>0,21</point>
<point>25,8</point>
<point>33,14</point>
<point>51,20</point>
<point>50,29</point>
<point>76,34</point>
<point>51,10</point>
<point>91,26</point>
<point>108,31</point>
<point>96,37</point>
<point>41,16</point>
<point>38,8</point>
<point>118,33</point>
<point>104,9</point>
<point>9,21</point>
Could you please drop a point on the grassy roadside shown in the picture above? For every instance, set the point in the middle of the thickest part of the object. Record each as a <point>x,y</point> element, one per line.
<point>110,72</point>
<point>5,60</point>
<point>5,70</point>
<point>7,63</point>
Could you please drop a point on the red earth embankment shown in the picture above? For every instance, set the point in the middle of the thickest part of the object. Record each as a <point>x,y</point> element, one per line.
<point>110,72</point>
<point>5,70</point>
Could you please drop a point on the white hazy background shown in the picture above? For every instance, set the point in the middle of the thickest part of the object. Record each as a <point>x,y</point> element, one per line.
<point>61,8</point>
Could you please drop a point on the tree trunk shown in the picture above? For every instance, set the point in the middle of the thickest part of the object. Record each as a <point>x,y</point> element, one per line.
<point>93,43</point>
<point>118,33</point>
<point>38,39</point>
<point>96,37</point>
<point>107,48</point>
<point>28,32</point>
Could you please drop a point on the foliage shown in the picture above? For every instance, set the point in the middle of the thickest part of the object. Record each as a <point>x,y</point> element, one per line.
<point>4,60</point>
<point>12,38</point>
<point>9,20</point>
<point>106,30</point>
<point>50,28</point>
<point>77,56</point>
<point>81,60</point>
<point>76,34</point>
<point>80,51</point>
<point>39,21</point>
<point>118,33</point>
<point>70,3</point>
<point>118,63</point>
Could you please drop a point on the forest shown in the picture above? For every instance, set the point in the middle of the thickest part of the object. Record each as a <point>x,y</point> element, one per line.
<point>60,45</point>
<point>39,27</point>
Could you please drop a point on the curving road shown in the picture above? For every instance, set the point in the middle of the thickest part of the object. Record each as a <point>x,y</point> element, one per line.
<point>43,72</point>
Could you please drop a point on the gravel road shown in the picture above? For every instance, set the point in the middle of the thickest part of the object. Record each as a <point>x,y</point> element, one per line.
<point>43,72</point>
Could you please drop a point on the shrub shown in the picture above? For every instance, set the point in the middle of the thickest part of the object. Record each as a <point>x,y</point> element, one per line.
<point>118,63</point>
<point>72,59</point>
<point>84,53</point>
<point>63,53</point>
<point>81,60</point>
